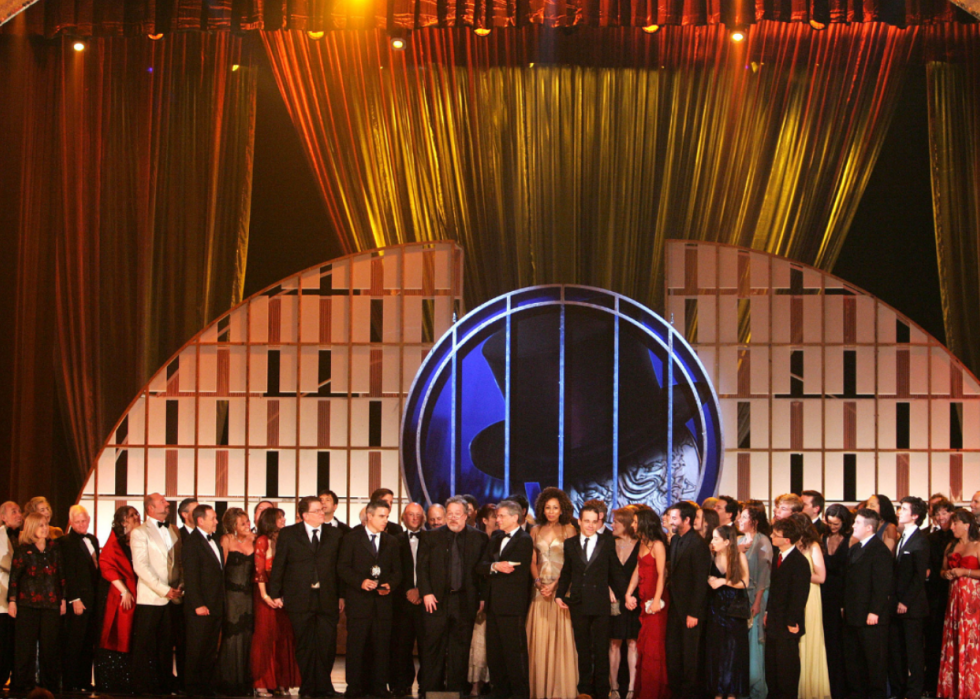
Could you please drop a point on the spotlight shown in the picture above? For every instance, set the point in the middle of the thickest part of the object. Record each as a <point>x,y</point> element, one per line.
<point>651,28</point>
<point>739,33</point>
<point>154,37</point>
<point>817,26</point>
<point>235,67</point>
<point>481,31</point>
<point>316,36</point>
<point>78,45</point>
<point>397,43</point>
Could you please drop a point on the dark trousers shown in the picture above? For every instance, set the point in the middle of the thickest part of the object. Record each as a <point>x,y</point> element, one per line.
<point>446,647</point>
<point>783,666</point>
<point>6,648</point>
<point>368,636</point>
<point>866,661</point>
<point>36,627</point>
<point>78,648</point>
<point>906,656</point>
<point>406,631</point>
<point>316,649</point>
<point>178,634</point>
<point>203,633</point>
<point>507,656</point>
<point>683,652</point>
<point>592,644</point>
<point>152,647</point>
<point>933,638</point>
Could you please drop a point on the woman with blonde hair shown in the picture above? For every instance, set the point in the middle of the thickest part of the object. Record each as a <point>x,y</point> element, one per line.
<point>625,626</point>
<point>814,672</point>
<point>41,506</point>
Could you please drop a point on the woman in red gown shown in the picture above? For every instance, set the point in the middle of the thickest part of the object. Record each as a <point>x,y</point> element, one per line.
<point>112,667</point>
<point>648,582</point>
<point>273,648</point>
<point>959,672</point>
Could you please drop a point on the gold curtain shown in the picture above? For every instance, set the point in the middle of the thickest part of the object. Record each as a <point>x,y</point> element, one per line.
<point>578,173</point>
<point>133,228</point>
<point>953,87</point>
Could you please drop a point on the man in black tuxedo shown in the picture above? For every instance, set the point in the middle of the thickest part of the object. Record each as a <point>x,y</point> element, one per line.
<point>813,503</point>
<point>370,568</point>
<point>185,513</point>
<point>386,496</point>
<point>451,589</point>
<point>789,588</point>
<point>407,603</point>
<point>525,506</point>
<point>907,653</point>
<point>937,591</point>
<point>590,570</point>
<point>329,500</point>
<point>690,562</point>
<point>867,587</point>
<point>204,601</point>
<point>304,582</point>
<point>506,564</point>
<point>185,525</point>
<point>80,553</point>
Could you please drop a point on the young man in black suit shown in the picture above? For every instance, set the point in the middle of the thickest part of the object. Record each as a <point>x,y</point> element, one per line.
<point>937,591</point>
<point>789,588</point>
<point>80,554</point>
<point>507,566</point>
<point>329,500</point>
<point>370,568</point>
<point>911,605</point>
<point>867,588</point>
<point>590,570</point>
<point>690,562</point>
<point>304,582</point>
<point>386,496</point>
<point>204,601</point>
<point>451,591</point>
<point>813,503</point>
<point>409,613</point>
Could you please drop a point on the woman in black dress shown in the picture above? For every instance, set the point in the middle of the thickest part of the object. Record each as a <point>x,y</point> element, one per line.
<point>726,655</point>
<point>235,655</point>
<point>837,542</point>
<point>626,625</point>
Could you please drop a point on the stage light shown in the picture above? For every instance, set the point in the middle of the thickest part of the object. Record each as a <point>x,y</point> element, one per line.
<point>739,33</point>
<point>235,67</point>
<point>316,36</point>
<point>817,26</point>
<point>481,31</point>
<point>79,46</point>
<point>651,28</point>
<point>154,37</point>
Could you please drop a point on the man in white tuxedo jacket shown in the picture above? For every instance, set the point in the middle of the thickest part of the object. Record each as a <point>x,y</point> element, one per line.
<point>11,517</point>
<point>156,562</point>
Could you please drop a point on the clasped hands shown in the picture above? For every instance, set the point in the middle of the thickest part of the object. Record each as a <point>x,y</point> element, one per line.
<point>370,585</point>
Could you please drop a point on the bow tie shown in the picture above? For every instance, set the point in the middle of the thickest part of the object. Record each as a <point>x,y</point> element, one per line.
<point>507,536</point>
<point>161,524</point>
<point>413,535</point>
<point>209,537</point>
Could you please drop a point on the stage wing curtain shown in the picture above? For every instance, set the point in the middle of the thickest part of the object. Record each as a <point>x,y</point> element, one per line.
<point>953,84</point>
<point>578,173</point>
<point>133,230</point>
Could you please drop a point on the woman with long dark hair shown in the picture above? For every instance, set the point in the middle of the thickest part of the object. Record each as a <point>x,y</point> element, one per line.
<point>649,583</point>
<point>479,672</point>
<point>552,658</point>
<point>754,526</point>
<point>726,653</point>
<point>814,676</point>
<point>837,543</point>
<point>625,627</point>
<point>959,671</point>
<point>888,529</point>
<point>113,671</point>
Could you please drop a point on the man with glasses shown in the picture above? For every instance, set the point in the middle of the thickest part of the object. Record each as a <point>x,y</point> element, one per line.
<point>304,582</point>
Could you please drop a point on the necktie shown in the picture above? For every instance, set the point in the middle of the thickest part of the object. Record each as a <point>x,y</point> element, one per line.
<point>456,573</point>
<point>161,524</point>
<point>316,538</point>
<point>779,561</point>
<point>588,540</point>
<point>374,543</point>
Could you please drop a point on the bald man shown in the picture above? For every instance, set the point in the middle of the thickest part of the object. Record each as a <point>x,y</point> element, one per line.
<point>436,517</point>
<point>407,626</point>
<point>975,504</point>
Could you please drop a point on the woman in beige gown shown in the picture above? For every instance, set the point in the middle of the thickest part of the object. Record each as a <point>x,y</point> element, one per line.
<point>479,673</point>
<point>814,674</point>
<point>552,659</point>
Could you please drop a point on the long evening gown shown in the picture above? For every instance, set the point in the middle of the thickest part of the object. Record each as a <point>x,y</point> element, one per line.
<point>651,656</point>
<point>273,648</point>
<point>759,557</point>
<point>726,652</point>
<point>814,677</point>
<point>235,654</point>
<point>959,671</point>
<point>832,600</point>
<point>551,652</point>
<point>478,670</point>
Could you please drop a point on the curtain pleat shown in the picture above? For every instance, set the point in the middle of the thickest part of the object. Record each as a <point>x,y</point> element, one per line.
<point>953,88</point>
<point>578,173</point>
<point>133,228</point>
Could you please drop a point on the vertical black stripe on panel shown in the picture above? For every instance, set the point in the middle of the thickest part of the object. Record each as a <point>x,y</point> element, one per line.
<point>374,423</point>
<point>796,473</point>
<point>122,432</point>
<point>850,477</point>
<point>955,425</point>
<point>850,373</point>
<point>273,373</point>
<point>221,423</point>
<point>122,473</point>
<point>903,332</point>
<point>377,320</point>
<point>324,373</point>
<point>745,425</point>
<point>272,474</point>
<point>902,427</point>
<point>796,373</point>
<point>322,471</point>
<point>173,413</point>
<point>220,507</point>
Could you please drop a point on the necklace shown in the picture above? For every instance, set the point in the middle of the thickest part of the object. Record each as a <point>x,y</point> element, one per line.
<point>240,541</point>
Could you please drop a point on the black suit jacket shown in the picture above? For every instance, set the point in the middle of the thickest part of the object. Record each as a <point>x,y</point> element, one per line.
<point>508,594</point>
<point>409,576</point>
<point>867,582</point>
<point>343,528</point>
<point>435,567</point>
<point>81,574</point>
<point>821,527</point>
<point>690,563</point>
<point>911,566</point>
<point>789,589</point>
<point>585,586</point>
<point>204,579</point>
<point>297,566</point>
<point>357,558</point>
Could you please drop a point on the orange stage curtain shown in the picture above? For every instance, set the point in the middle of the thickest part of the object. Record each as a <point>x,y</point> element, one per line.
<point>578,173</point>
<point>953,84</point>
<point>132,227</point>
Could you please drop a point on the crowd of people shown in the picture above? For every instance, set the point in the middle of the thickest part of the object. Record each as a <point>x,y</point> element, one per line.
<point>720,599</point>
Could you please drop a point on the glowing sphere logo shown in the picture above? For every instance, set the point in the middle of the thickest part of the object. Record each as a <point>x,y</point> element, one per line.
<point>562,385</point>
